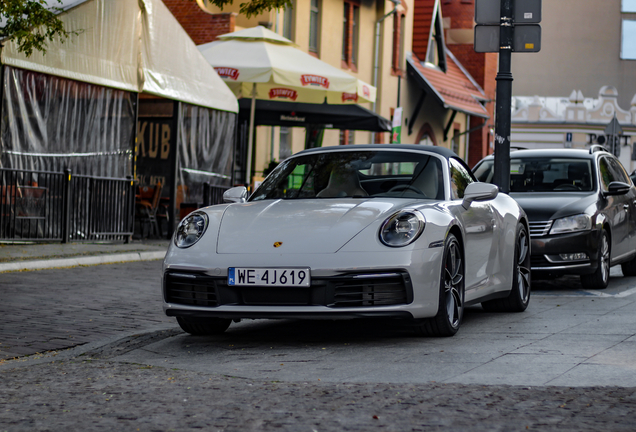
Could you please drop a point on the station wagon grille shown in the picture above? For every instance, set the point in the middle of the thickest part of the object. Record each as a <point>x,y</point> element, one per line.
<point>350,290</point>
<point>540,229</point>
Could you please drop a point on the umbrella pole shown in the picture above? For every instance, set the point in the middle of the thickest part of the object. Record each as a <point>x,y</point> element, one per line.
<point>250,138</point>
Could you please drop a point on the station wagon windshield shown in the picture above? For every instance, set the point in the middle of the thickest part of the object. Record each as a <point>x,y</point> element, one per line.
<point>544,174</point>
<point>355,174</point>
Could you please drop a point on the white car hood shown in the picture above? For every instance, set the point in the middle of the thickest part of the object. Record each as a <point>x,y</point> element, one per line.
<point>302,226</point>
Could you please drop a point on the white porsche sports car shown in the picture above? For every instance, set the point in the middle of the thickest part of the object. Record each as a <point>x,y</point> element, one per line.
<point>393,231</point>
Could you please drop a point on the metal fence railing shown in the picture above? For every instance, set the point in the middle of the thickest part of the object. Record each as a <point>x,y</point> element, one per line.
<point>53,206</point>
<point>212,194</point>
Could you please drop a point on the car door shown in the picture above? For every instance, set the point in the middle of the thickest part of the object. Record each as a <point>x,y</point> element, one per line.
<point>629,204</point>
<point>479,222</point>
<point>615,208</point>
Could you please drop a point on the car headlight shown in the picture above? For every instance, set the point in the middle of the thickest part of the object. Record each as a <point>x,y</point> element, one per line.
<point>190,229</point>
<point>574,223</point>
<point>402,228</point>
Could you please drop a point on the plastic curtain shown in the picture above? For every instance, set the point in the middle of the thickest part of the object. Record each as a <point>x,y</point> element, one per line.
<point>51,123</point>
<point>206,144</point>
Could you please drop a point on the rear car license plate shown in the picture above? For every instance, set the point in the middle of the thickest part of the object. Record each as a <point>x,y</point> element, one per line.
<point>288,277</point>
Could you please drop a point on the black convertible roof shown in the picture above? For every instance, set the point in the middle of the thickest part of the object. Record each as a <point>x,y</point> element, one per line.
<point>447,153</point>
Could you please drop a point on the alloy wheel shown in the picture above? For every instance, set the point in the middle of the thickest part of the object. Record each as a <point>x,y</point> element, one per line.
<point>605,257</point>
<point>523,269</point>
<point>453,285</point>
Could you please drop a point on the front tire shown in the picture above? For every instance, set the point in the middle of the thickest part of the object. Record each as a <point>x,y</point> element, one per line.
<point>519,297</point>
<point>600,278</point>
<point>451,297</point>
<point>203,326</point>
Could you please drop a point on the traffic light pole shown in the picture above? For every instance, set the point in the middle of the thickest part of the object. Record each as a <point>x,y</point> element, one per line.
<point>504,97</point>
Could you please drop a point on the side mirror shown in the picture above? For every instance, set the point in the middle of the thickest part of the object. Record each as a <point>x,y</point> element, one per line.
<point>236,194</point>
<point>479,191</point>
<point>617,188</point>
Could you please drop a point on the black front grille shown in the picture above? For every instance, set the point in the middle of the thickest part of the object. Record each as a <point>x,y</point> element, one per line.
<point>539,261</point>
<point>374,290</point>
<point>349,290</point>
<point>190,289</point>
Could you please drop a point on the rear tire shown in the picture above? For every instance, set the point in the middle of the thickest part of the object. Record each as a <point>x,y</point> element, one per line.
<point>203,326</point>
<point>451,297</point>
<point>519,297</point>
<point>600,278</point>
<point>629,267</point>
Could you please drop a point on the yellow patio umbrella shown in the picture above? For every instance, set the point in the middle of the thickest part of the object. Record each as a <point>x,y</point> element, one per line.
<point>261,64</point>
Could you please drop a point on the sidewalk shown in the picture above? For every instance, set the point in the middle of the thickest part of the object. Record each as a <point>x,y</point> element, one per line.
<point>37,256</point>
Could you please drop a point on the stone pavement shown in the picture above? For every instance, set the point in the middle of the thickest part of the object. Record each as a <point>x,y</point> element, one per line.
<point>48,309</point>
<point>131,368</point>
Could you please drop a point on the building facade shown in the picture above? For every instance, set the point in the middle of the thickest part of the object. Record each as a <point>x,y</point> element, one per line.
<point>340,33</point>
<point>586,44</point>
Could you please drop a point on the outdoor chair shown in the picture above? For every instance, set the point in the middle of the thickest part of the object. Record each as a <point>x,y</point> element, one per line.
<point>147,207</point>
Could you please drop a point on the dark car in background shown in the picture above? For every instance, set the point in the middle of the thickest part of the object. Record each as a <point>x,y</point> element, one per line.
<point>581,206</point>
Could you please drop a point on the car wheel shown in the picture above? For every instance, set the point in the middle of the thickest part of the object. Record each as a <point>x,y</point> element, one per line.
<point>203,326</point>
<point>600,278</point>
<point>451,297</point>
<point>629,267</point>
<point>519,297</point>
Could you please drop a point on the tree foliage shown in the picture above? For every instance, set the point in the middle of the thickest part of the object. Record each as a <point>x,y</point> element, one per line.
<point>253,7</point>
<point>31,23</point>
<point>34,23</point>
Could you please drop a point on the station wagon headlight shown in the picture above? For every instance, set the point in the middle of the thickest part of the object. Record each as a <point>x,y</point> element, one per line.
<point>402,228</point>
<point>190,229</point>
<point>581,222</point>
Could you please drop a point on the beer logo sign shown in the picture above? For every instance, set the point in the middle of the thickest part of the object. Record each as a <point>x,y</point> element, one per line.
<point>283,93</point>
<point>227,72</point>
<point>353,97</point>
<point>315,80</point>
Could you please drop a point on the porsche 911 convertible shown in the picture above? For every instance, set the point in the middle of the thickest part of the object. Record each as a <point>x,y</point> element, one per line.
<point>387,231</point>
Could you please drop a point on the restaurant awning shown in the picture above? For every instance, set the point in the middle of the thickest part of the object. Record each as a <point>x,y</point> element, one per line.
<point>132,45</point>
<point>347,117</point>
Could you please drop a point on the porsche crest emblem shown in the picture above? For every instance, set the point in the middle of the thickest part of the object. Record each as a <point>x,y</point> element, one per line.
<point>278,244</point>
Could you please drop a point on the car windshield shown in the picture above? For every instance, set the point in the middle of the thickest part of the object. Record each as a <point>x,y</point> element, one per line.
<point>355,174</point>
<point>543,174</point>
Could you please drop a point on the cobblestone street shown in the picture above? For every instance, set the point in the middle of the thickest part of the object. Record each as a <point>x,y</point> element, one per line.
<point>60,308</point>
<point>132,368</point>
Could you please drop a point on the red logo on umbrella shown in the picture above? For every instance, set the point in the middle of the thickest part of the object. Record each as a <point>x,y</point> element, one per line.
<point>350,97</point>
<point>366,92</point>
<point>284,93</point>
<point>314,80</point>
<point>227,72</point>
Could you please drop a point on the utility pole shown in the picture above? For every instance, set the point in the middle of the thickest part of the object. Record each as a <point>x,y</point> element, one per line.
<point>504,97</point>
<point>506,26</point>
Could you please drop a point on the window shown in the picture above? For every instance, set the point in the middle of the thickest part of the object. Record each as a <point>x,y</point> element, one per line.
<point>350,22</point>
<point>460,178</point>
<point>314,24</point>
<point>284,147</point>
<point>398,42</point>
<point>436,46</point>
<point>288,23</point>
<point>628,6</point>
<point>346,137</point>
<point>628,39</point>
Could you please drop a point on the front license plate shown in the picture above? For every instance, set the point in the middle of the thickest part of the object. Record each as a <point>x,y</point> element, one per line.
<point>289,277</point>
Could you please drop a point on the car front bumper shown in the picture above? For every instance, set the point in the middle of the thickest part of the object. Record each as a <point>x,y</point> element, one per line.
<point>546,251</point>
<point>391,283</point>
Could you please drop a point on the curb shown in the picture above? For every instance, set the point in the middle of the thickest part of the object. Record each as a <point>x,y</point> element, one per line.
<point>79,261</point>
